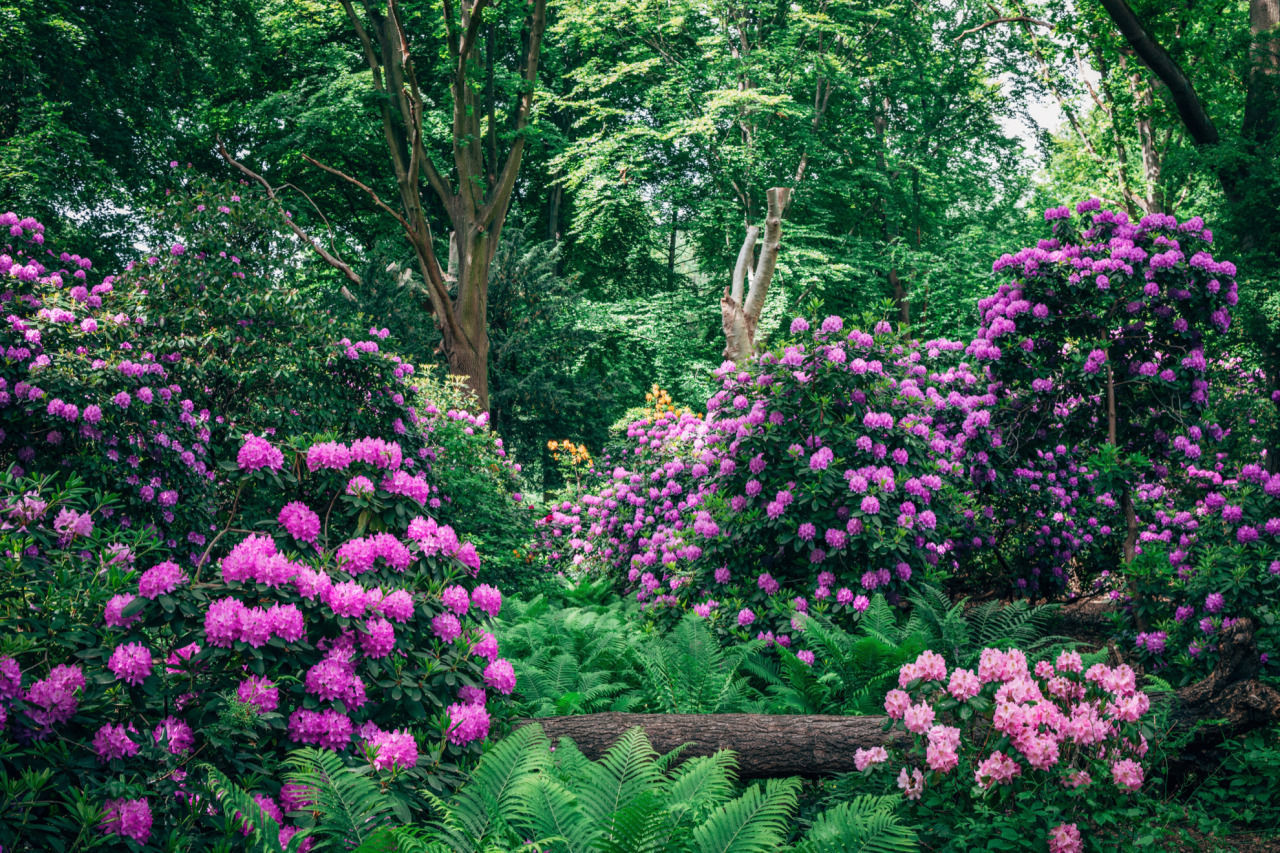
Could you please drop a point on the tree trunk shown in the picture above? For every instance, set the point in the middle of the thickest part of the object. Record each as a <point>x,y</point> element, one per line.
<point>741,305</point>
<point>768,746</point>
<point>671,249</point>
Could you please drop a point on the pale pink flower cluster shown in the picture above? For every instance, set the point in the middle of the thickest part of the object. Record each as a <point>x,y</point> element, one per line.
<point>1055,717</point>
<point>864,758</point>
<point>1065,838</point>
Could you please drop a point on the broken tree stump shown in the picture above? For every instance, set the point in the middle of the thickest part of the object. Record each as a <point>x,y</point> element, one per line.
<point>767,745</point>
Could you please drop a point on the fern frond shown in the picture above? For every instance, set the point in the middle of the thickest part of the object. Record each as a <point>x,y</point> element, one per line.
<point>866,824</point>
<point>552,812</point>
<point>490,797</point>
<point>755,822</point>
<point>352,807</point>
<point>265,833</point>
<point>614,783</point>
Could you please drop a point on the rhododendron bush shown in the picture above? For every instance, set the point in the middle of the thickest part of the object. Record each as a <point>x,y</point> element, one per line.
<point>823,472</point>
<point>1097,348</point>
<point>375,645</point>
<point>1210,556</point>
<point>192,573</point>
<point>1009,742</point>
<point>111,369</point>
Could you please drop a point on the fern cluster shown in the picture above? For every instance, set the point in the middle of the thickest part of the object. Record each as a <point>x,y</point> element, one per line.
<point>526,793</point>
<point>600,657</point>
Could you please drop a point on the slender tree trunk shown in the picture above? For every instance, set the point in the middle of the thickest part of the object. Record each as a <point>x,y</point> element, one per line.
<point>553,213</point>
<point>743,299</point>
<point>671,249</point>
<point>897,286</point>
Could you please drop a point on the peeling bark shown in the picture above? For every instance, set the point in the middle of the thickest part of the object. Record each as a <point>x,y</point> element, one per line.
<point>743,299</point>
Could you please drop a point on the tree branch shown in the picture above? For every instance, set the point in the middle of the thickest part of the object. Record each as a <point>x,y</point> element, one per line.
<point>1009,19</point>
<point>1190,109</point>
<point>373,195</point>
<point>329,258</point>
<point>496,206</point>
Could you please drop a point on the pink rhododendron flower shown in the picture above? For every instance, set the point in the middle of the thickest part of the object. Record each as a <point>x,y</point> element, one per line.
<point>996,768</point>
<point>178,734</point>
<point>912,784</point>
<point>300,521</point>
<point>896,703</point>
<point>467,722</point>
<point>112,742</point>
<point>128,818</point>
<point>500,675</point>
<point>160,579</point>
<point>1127,774</point>
<point>1065,838</point>
<point>864,758</point>
<point>131,663</point>
<point>257,453</point>
<point>260,692</point>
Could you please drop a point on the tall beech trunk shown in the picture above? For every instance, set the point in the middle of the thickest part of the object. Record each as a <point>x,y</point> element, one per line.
<point>743,299</point>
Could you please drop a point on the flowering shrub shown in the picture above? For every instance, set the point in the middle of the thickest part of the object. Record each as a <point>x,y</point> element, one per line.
<point>80,388</point>
<point>1049,745</point>
<point>1210,556</point>
<point>375,645</point>
<point>815,474</point>
<point>1096,344</point>
<point>333,605</point>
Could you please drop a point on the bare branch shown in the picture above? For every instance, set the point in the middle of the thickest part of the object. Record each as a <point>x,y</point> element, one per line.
<point>1008,19</point>
<point>743,266</point>
<point>329,258</point>
<point>373,195</point>
<point>778,199</point>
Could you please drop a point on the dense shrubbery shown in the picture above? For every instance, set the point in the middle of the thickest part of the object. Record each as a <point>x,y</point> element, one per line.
<point>331,604</point>
<point>845,462</point>
<point>1044,747</point>
<point>816,475</point>
<point>233,525</point>
<point>1097,349</point>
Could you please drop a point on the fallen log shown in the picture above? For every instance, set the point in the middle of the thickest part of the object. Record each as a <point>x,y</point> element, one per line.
<point>767,745</point>
<point>1231,700</point>
<point>1226,704</point>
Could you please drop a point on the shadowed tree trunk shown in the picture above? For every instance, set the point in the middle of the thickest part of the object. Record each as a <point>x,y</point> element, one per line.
<point>739,311</point>
<point>1244,176</point>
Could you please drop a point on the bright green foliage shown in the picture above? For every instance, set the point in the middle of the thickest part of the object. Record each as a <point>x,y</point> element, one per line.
<point>690,672</point>
<point>854,669</point>
<point>630,801</point>
<point>865,824</point>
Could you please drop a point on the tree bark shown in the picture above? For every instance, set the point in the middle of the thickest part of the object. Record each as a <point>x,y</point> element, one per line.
<point>477,206</point>
<point>768,746</point>
<point>743,299</point>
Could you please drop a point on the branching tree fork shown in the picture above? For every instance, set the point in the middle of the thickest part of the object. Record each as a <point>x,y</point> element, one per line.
<point>743,299</point>
<point>477,196</point>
